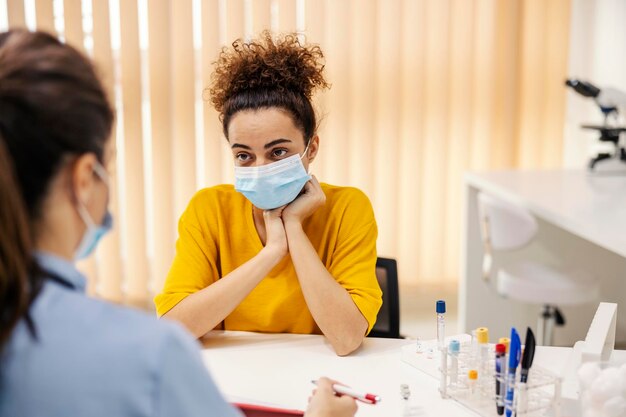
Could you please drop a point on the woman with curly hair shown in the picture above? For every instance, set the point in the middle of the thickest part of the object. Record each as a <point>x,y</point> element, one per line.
<point>279,251</point>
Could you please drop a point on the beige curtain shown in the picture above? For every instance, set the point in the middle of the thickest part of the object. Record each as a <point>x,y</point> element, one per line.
<point>423,90</point>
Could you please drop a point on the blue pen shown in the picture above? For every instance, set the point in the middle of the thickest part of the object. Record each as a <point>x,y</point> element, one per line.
<point>515,352</point>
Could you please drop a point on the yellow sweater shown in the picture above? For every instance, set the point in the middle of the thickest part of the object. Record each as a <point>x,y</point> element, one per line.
<point>217,235</point>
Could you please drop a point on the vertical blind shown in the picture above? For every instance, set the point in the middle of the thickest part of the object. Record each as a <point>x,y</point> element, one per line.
<point>422,90</point>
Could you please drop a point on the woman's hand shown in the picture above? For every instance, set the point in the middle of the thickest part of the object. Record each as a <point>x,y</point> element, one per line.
<point>306,203</point>
<point>276,238</point>
<point>324,402</point>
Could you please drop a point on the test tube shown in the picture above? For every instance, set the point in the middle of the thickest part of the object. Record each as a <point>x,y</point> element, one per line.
<point>405,392</point>
<point>472,377</point>
<point>443,372</point>
<point>500,384</point>
<point>419,347</point>
<point>506,342</point>
<point>482,337</point>
<point>474,350</point>
<point>454,349</point>
<point>443,352</point>
<point>441,325</point>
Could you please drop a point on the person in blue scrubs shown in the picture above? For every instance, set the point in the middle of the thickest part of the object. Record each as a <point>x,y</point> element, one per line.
<point>61,352</point>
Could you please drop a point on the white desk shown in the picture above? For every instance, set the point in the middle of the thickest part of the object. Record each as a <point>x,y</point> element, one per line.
<point>582,221</point>
<point>278,368</point>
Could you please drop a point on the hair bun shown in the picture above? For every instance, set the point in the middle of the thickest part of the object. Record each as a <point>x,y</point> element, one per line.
<point>280,64</point>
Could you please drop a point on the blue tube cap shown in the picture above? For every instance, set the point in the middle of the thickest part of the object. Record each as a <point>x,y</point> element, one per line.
<point>441,307</point>
<point>455,346</point>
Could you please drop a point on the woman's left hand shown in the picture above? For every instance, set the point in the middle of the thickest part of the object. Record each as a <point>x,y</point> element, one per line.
<point>306,203</point>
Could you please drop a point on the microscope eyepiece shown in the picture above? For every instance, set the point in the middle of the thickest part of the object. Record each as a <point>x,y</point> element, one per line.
<point>583,88</point>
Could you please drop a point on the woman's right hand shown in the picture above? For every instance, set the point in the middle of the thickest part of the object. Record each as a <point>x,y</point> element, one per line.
<point>276,237</point>
<point>324,402</point>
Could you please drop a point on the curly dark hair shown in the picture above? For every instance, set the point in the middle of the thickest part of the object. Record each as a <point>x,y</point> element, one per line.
<point>268,72</point>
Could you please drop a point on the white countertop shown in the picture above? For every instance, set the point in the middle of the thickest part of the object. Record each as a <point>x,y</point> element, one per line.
<point>592,207</point>
<point>277,369</point>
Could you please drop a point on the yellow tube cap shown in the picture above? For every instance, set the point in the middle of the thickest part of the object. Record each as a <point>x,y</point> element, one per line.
<point>472,374</point>
<point>506,342</point>
<point>482,335</point>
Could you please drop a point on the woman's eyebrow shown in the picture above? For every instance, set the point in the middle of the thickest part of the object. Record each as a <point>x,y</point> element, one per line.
<point>239,145</point>
<point>266,146</point>
<point>276,142</point>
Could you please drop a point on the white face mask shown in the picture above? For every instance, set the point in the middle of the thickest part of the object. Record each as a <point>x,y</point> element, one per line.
<point>94,232</point>
<point>273,185</point>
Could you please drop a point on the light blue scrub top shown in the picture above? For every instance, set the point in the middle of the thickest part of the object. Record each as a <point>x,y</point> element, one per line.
<point>92,358</point>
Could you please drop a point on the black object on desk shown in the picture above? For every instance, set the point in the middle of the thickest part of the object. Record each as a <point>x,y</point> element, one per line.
<point>529,354</point>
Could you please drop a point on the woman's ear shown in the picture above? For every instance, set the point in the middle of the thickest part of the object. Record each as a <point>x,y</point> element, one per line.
<point>314,146</point>
<point>82,179</point>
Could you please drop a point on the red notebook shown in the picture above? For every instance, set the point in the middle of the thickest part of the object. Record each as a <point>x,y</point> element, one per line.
<point>255,410</point>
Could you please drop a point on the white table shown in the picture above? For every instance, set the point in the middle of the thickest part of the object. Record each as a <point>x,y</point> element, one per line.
<point>278,368</point>
<point>582,221</point>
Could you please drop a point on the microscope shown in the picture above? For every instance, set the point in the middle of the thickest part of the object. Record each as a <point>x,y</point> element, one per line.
<point>609,100</point>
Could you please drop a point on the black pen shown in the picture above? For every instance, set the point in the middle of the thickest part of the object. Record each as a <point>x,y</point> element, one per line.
<point>527,361</point>
<point>529,354</point>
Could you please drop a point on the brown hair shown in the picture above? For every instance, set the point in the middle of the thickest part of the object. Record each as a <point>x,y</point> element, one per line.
<point>15,250</point>
<point>269,72</point>
<point>53,107</point>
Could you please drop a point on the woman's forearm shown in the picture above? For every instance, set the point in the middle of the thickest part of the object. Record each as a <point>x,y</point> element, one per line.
<point>202,311</point>
<point>330,304</point>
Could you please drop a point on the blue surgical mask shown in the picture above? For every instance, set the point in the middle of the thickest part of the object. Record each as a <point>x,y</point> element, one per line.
<point>94,232</point>
<point>273,185</point>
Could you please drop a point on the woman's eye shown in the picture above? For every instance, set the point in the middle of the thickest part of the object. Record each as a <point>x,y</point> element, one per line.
<point>242,157</point>
<point>277,153</point>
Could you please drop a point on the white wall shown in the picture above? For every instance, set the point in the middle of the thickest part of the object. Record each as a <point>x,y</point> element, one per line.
<point>598,55</point>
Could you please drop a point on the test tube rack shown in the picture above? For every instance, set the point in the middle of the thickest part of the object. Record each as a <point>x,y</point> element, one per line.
<point>540,396</point>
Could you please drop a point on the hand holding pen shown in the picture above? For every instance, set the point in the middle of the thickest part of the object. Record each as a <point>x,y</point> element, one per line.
<point>325,403</point>
<point>514,358</point>
<point>360,396</point>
